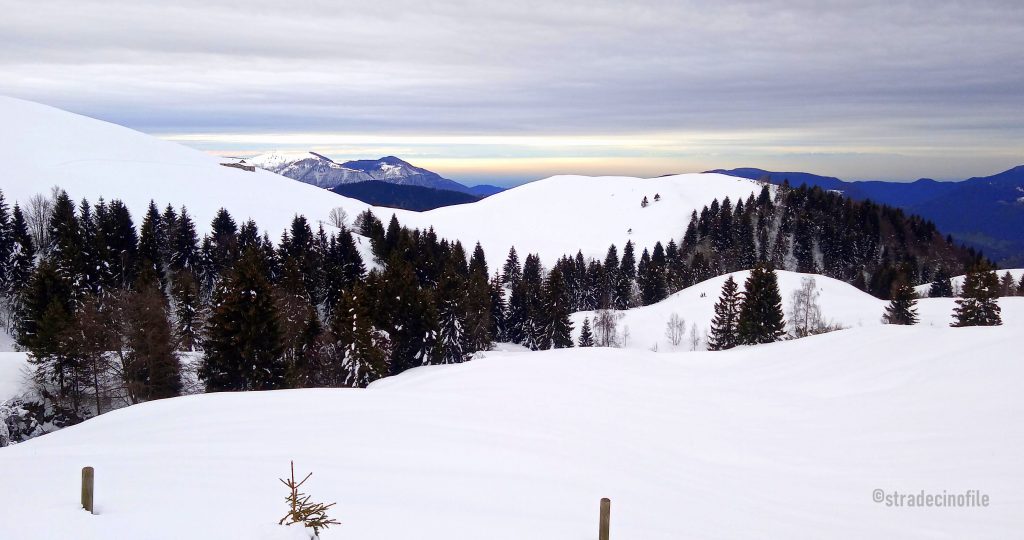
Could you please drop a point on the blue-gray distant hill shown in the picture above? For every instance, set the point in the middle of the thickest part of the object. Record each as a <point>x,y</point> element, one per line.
<point>416,198</point>
<point>984,212</point>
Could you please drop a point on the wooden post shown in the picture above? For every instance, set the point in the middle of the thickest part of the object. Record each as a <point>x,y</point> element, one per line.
<point>606,517</point>
<point>87,488</point>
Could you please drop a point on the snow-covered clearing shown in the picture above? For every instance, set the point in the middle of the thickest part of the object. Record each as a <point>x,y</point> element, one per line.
<point>841,304</point>
<point>780,441</point>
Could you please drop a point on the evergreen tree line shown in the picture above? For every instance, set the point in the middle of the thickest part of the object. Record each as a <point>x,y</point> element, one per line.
<point>802,229</point>
<point>105,308</point>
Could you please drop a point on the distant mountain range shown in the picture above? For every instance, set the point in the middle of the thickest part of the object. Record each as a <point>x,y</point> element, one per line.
<point>416,198</point>
<point>322,171</point>
<point>984,212</point>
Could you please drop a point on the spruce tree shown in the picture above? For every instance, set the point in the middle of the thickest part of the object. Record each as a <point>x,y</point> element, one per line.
<point>453,336</point>
<point>902,308</point>
<point>942,287</point>
<point>152,244</point>
<point>761,317</point>
<point>243,347</point>
<point>65,248</point>
<point>625,284</point>
<point>185,245</point>
<point>363,348</point>
<point>122,245</point>
<point>511,272</point>
<point>498,330</point>
<point>152,369</point>
<point>586,336</point>
<point>724,326</point>
<point>978,302</point>
<point>557,333</point>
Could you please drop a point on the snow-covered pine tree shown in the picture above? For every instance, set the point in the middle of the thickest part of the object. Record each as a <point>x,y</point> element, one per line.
<point>761,318</point>
<point>902,307</point>
<point>453,336</point>
<point>625,282</point>
<point>121,255</point>
<point>511,272</point>
<point>364,349</point>
<point>19,267</point>
<point>557,332</point>
<point>152,242</point>
<point>1007,286</point>
<point>496,290</point>
<point>978,302</point>
<point>724,326</point>
<point>942,286</point>
<point>243,349</point>
<point>586,336</point>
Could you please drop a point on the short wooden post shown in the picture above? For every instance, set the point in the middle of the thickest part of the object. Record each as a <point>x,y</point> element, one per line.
<point>87,488</point>
<point>606,517</point>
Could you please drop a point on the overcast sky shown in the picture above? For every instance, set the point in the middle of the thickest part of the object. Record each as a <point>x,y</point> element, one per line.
<point>507,91</point>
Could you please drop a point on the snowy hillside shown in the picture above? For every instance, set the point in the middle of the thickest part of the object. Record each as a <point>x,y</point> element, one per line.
<point>780,441</point>
<point>45,146</point>
<point>841,304</point>
<point>562,214</point>
<point>958,281</point>
<point>321,171</point>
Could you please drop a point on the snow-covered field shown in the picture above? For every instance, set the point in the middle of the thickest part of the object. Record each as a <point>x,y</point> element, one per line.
<point>44,146</point>
<point>780,441</point>
<point>841,304</point>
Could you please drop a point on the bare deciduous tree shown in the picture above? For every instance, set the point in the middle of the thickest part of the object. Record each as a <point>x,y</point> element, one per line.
<point>805,313</point>
<point>37,217</point>
<point>694,338</point>
<point>338,217</point>
<point>675,329</point>
<point>606,328</point>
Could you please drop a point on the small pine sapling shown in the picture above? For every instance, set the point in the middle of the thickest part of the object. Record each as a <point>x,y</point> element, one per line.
<point>301,510</point>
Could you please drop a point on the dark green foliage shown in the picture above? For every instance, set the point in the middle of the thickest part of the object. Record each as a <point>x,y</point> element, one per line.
<point>363,350</point>
<point>725,324</point>
<point>978,302</point>
<point>511,272</point>
<point>557,329</point>
<point>761,317</point>
<point>152,244</point>
<point>942,287</point>
<point>902,308</point>
<point>586,336</point>
<point>244,348</point>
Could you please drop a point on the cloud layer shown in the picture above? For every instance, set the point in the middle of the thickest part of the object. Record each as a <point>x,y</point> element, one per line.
<point>893,89</point>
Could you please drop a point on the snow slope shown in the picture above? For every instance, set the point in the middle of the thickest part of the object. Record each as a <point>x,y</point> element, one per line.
<point>44,146</point>
<point>841,303</point>
<point>958,281</point>
<point>787,440</point>
<point>13,374</point>
<point>562,214</point>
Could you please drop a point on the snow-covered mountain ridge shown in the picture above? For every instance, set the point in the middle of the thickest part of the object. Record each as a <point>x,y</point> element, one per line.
<point>321,171</point>
<point>89,158</point>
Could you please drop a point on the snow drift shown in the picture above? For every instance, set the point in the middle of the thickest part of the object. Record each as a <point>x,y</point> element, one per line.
<point>787,440</point>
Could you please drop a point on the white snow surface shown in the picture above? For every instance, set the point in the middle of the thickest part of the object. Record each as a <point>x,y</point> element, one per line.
<point>841,304</point>
<point>13,374</point>
<point>43,146</point>
<point>787,440</point>
<point>958,281</point>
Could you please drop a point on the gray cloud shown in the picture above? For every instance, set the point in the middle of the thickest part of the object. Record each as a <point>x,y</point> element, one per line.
<point>919,78</point>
